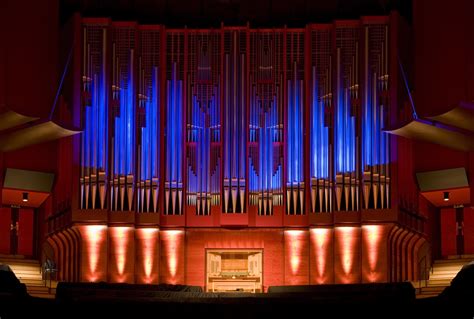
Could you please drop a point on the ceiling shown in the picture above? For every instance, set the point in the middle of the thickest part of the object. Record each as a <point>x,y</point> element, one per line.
<point>458,196</point>
<point>15,197</point>
<point>210,13</point>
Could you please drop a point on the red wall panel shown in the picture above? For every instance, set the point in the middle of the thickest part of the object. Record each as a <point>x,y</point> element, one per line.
<point>121,260</point>
<point>25,232</point>
<point>172,266</point>
<point>347,268</point>
<point>147,255</point>
<point>5,222</point>
<point>441,44</point>
<point>32,55</point>
<point>296,257</point>
<point>430,157</point>
<point>93,253</point>
<point>375,253</point>
<point>321,256</point>
<point>448,232</point>
<point>468,231</point>
<point>270,240</point>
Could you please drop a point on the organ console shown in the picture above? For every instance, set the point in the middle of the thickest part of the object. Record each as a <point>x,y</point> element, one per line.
<point>234,270</point>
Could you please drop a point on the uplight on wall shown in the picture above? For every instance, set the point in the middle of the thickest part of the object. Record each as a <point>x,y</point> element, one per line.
<point>446,196</point>
<point>25,197</point>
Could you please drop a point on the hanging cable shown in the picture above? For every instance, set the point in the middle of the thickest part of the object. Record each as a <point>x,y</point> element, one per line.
<point>415,115</point>
<point>61,82</point>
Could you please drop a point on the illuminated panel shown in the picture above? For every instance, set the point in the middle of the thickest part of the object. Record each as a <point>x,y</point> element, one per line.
<point>294,129</point>
<point>347,254</point>
<point>121,254</point>
<point>94,253</point>
<point>347,104</point>
<point>322,246</point>
<point>374,262</point>
<point>95,119</point>
<point>234,118</point>
<point>149,120</point>
<point>375,143</point>
<point>123,105</point>
<point>321,113</point>
<point>172,271</point>
<point>296,255</point>
<point>266,121</point>
<point>174,123</point>
<point>147,255</point>
<point>203,122</point>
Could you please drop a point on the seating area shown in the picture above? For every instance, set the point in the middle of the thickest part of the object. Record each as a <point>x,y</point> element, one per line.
<point>127,300</point>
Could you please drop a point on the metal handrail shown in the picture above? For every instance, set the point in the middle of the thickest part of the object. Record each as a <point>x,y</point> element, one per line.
<point>48,266</point>
<point>424,271</point>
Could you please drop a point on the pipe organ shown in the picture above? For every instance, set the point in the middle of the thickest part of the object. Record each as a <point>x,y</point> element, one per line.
<point>94,146</point>
<point>234,119</point>
<point>346,111</point>
<point>266,121</point>
<point>375,151</point>
<point>149,111</point>
<point>235,47</point>
<point>294,122</point>
<point>321,120</point>
<point>175,48</point>
<point>123,108</point>
<point>203,127</point>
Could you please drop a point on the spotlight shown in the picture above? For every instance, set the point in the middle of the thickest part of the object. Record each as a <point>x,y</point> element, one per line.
<point>25,197</point>
<point>446,196</point>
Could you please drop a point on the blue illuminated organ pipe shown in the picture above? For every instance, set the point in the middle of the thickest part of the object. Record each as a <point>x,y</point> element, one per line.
<point>346,108</point>
<point>320,183</point>
<point>203,130</point>
<point>123,92</point>
<point>234,126</point>
<point>201,178</point>
<point>375,146</point>
<point>94,140</point>
<point>295,182</point>
<point>149,150</point>
<point>265,175</point>
<point>215,140</point>
<point>347,151</point>
<point>265,172</point>
<point>174,144</point>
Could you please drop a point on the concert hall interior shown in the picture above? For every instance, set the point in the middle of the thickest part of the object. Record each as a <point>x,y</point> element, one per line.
<point>211,155</point>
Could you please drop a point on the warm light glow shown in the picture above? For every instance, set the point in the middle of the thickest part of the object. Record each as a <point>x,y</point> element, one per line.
<point>149,238</point>
<point>172,240</point>
<point>25,197</point>
<point>295,248</point>
<point>320,241</point>
<point>372,236</point>
<point>347,246</point>
<point>121,237</point>
<point>95,236</point>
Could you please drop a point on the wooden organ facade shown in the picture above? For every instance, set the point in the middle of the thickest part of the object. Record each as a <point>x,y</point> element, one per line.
<point>269,142</point>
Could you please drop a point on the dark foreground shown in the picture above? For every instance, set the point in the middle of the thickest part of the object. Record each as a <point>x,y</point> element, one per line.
<point>181,305</point>
<point>101,300</point>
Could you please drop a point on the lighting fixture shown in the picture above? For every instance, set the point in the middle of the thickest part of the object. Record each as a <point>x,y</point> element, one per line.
<point>446,196</point>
